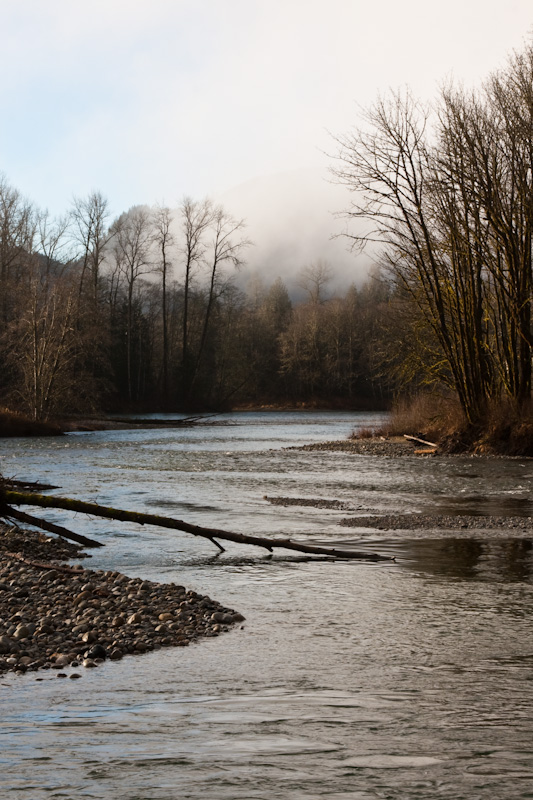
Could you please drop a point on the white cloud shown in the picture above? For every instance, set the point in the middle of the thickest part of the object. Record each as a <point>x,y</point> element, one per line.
<point>151,101</point>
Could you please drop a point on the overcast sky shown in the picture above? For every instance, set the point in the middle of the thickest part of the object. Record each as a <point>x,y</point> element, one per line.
<point>152,100</point>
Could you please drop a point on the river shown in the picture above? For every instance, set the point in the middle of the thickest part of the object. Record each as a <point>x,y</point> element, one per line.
<point>348,680</point>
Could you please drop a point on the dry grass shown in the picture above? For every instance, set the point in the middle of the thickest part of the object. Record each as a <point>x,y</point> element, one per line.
<point>364,433</point>
<point>429,417</point>
<point>12,423</point>
<point>506,430</point>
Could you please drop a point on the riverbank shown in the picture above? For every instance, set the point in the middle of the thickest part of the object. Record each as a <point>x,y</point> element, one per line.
<point>57,617</point>
<point>399,446</point>
<point>14,424</point>
<point>418,525</point>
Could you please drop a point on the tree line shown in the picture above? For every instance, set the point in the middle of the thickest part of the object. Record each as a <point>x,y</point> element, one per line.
<point>142,312</point>
<point>447,192</point>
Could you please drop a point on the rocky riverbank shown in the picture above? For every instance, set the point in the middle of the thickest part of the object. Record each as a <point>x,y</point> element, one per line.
<point>457,524</point>
<point>395,446</point>
<point>54,616</point>
<point>445,522</point>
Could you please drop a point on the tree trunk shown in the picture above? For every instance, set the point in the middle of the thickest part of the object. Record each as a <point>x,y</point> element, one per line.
<point>23,498</point>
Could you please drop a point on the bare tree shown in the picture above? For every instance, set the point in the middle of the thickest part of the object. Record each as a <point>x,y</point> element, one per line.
<point>164,240</point>
<point>225,248</point>
<point>46,351</point>
<point>400,189</point>
<point>91,234</point>
<point>196,218</point>
<point>17,234</point>
<point>132,242</point>
<point>53,244</point>
<point>314,280</point>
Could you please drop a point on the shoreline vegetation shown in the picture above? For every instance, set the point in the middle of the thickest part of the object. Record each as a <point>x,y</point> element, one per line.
<point>145,311</point>
<point>13,423</point>
<point>505,429</point>
<point>434,422</point>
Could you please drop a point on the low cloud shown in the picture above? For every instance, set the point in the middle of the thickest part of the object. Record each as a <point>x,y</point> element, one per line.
<point>292,218</point>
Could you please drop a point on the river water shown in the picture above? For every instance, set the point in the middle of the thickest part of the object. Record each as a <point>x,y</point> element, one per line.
<point>398,680</point>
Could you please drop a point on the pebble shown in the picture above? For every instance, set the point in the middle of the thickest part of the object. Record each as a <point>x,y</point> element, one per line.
<point>54,618</point>
<point>371,446</point>
<point>450,522</point>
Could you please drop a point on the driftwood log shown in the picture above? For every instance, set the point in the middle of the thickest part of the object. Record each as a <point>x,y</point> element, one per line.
<point>50,527</point>
<point>422,441</point>
<point>153,422</point>
<point>9,498</point>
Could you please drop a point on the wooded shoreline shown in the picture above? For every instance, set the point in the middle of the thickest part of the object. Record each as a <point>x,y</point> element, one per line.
<point>16,424</point>
<point>504,437</point>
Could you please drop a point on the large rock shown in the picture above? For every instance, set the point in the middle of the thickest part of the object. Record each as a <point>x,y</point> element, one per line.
<point>6,645</point>
<point>22,632</point>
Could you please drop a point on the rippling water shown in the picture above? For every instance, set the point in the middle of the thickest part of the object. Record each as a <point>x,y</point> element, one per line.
<point>398,680</point>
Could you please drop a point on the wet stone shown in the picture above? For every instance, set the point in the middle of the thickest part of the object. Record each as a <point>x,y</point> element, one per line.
<point>52,618</point>
<point>97,651</point>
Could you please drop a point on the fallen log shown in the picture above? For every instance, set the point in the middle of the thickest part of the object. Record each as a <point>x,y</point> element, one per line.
<point>50,527</point>
<point>26,486</point>
<point>416,439</point>
<point>8,497</point>
<point>154,422</point>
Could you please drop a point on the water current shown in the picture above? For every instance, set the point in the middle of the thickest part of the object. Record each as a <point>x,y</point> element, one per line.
<point>348,680</point>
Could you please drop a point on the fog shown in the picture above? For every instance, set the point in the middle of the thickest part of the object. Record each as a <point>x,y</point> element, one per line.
<point>148,102</point>
<point>294,220</point>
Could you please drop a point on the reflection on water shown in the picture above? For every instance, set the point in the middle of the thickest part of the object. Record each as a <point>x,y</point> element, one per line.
<point>470,559</point>
<point>347,680</point>
<point>479,505</point>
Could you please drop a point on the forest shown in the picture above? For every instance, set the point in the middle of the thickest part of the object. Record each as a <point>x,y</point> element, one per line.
<point>145,312</point>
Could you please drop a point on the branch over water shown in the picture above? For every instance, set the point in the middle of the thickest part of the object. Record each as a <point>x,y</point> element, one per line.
<point>8,497</point>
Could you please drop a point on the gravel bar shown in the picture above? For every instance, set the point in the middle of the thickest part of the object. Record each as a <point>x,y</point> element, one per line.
<point>428,522</point>
<point>365,447</point>
<point>312,502</point>
<point>54,616</point>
